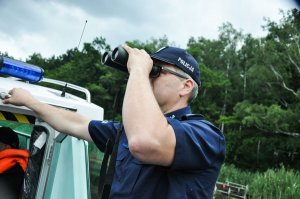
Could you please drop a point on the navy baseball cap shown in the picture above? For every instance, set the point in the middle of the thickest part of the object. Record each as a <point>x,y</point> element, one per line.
<point>179,58</point>
<point>9,137</point>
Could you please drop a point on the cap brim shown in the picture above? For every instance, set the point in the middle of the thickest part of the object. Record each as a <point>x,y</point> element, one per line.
<point>161,59</point>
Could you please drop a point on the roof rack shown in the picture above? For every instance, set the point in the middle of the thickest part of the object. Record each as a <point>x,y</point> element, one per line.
<point>72,86</point>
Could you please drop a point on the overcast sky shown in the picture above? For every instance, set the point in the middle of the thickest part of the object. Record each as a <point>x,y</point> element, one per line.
<point>52,27</point>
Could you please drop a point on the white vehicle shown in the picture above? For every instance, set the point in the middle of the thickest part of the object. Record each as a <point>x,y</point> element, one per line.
<point>58,165</point>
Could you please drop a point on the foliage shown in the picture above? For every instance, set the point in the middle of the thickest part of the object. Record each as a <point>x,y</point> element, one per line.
<point>278,183</point>
<point>152,45</point>
<point>267,118</point>
<point>259,152</point>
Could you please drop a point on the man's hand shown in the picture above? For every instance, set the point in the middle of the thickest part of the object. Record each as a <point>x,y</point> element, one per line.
<point>138,60</point>
<point>19,97</point>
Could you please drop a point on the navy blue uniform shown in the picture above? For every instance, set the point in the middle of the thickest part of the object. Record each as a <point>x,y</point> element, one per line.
<point>199,154</point>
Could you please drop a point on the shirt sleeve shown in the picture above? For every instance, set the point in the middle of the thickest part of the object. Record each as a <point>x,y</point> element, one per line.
<point>199,144</point>
<point>101,131</point>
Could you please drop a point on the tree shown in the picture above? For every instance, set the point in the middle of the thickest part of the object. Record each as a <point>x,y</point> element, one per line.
<point>221,57</point>
<point>284,39</point>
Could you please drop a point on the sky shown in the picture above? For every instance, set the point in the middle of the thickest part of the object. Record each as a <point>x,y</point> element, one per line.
<point>51,27</point>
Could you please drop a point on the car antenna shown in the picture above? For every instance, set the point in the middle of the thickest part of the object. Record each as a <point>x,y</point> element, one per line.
<point>63,93</point>
<point>82,34</point>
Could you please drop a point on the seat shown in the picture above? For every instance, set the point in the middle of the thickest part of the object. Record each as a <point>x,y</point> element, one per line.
<point>10,182</point>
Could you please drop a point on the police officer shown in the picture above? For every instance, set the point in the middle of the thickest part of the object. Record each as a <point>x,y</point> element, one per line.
<point>164,151</point>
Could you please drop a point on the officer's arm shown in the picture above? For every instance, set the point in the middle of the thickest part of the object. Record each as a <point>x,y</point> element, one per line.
<point>151,139</point>
<point>62,120</point>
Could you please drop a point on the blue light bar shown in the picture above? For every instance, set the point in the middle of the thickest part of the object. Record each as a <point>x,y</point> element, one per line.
<point>19,69</point>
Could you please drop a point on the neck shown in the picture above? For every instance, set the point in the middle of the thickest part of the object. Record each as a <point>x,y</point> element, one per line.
<point>170,108</point>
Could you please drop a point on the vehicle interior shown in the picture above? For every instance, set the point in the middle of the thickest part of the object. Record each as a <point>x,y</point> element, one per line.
<point>32,138</point>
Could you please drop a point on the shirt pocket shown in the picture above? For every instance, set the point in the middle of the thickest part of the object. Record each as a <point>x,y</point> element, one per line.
<point>120,167</point>
<point>194,193</point>
<point>128,170</point>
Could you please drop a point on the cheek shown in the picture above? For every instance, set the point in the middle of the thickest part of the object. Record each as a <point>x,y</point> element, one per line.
<point>164,89</point>
<point>158,89</point>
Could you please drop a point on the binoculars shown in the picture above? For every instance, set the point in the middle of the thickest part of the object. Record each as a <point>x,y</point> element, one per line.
<point>118,58</point>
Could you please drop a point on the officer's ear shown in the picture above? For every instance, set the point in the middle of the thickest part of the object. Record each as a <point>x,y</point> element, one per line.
<point>187,87</point>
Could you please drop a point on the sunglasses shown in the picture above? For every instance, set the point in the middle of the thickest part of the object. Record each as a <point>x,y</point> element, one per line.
<point>156,70</point>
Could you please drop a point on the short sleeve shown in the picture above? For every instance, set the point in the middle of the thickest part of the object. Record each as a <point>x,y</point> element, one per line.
<point>101,131</point>
<point>199,144</point>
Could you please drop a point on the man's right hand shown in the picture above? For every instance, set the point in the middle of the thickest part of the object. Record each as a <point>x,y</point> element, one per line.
<point>19,97</point>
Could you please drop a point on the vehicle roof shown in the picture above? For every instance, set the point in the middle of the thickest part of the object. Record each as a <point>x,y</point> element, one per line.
<point>50,96</point>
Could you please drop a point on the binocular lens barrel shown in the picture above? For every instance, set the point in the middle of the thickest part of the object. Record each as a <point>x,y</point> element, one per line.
<point>107,60</point>
<point>104,58</point>
<point>120,55</point>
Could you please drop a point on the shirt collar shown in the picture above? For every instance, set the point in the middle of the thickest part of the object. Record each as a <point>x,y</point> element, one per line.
<point>179,113</point>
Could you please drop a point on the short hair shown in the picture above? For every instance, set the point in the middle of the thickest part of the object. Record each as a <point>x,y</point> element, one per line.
<point>194,94</point>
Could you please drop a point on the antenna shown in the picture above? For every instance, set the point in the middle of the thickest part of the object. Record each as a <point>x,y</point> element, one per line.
<point>82,33</point>
<point>63,93</point>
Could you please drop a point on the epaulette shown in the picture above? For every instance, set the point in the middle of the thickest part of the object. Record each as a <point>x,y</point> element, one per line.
<point>192,117</point>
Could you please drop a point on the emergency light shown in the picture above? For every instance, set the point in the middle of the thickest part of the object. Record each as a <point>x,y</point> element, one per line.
<point>19,69</point>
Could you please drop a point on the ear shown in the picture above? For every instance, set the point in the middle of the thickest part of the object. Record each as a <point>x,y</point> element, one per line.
<point>187,87</point>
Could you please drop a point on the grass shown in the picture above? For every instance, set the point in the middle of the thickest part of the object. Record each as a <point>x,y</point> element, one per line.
<point>273,183</point>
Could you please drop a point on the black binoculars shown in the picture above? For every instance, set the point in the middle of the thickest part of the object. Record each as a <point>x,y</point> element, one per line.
<point>118,59</point>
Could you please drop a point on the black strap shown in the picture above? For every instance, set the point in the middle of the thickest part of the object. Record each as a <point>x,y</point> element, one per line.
<point>192,117</point>
<point>107,174</point>
<point>104,164</point>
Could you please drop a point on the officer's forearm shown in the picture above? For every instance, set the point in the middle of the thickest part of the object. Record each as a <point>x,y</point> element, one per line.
<point>62,120</point>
